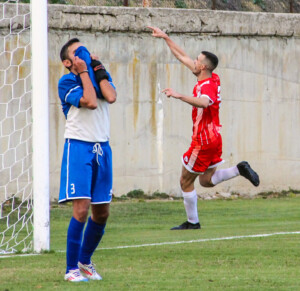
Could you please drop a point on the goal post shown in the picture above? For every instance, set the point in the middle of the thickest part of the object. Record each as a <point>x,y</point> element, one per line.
<point>24,127</point>
<point>40,125</point>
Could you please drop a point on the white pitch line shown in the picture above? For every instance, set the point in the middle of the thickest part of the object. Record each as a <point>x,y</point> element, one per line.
<point>174,242</point>
<point>20,255</point>
<point>201,240</point>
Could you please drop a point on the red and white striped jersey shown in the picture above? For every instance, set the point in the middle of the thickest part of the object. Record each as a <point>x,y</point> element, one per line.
<point>206,123</point>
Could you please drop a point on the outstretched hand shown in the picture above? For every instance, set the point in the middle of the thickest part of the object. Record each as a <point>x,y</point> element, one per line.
<point>156,32</point>
<point>171,93</point>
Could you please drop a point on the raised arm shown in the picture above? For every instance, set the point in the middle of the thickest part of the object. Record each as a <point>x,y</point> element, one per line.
<point>108,91</point>
<point>89,98</point>
<point>177,51</point>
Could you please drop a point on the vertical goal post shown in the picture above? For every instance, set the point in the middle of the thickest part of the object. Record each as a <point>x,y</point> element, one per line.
<point>40,125</point>
<point>24,127</point>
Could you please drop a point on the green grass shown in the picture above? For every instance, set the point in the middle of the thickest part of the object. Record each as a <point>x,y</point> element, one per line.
<point>269,263</point>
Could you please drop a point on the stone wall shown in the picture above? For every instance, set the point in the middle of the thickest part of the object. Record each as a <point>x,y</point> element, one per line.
<point>259,68</point>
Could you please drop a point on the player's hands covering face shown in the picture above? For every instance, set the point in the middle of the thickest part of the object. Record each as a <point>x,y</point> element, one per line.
<point>99,70</point>
<point>79,65</point>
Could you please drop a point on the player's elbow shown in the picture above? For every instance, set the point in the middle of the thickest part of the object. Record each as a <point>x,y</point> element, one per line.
<point>111,98</point>
<point>203,102</point>
<point>201,105</point>
<point>92,106</point>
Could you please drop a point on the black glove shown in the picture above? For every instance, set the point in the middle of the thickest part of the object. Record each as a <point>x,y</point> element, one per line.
<point>99,70</point>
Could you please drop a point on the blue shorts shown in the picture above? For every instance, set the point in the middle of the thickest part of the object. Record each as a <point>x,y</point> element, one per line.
<point>86,172</point>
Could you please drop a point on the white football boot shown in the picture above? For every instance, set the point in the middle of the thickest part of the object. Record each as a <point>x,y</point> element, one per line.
<point>88,271</point>
<point>75,276</point>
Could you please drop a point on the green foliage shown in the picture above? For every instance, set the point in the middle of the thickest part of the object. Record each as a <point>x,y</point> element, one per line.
<point>142,196</point>
<point>160,195</point>
<point>136,194</point>
<point>58,2</point>
<point>121,198</point>
<point>114,3</point>
<point>281,194</point>
<point>260,3</point>
<point>180,4</point>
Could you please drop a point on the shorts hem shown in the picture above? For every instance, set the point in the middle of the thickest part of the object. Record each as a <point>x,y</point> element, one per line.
<point>102,202</point>
<point>189,169</point>
<point>200,173</point>
<point>71,199</point>
<point>216,165</point>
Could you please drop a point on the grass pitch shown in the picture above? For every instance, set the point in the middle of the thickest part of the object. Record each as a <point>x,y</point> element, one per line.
<point>262,263</point>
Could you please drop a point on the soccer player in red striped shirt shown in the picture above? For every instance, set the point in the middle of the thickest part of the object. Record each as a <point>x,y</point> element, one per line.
<point>204,155</point>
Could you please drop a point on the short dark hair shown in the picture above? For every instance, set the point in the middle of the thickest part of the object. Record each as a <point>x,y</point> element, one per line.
<point>213,59</point>
<point>64,50</point>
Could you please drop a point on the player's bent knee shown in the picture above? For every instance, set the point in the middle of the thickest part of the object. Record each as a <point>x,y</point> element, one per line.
<point>184,183</point>
<point>100,218</point>
<point>206,183</point>
<point>81,209</point>
<point>100,213</point>
<point>81,214</point>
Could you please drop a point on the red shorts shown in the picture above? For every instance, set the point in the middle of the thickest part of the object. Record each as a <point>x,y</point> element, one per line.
<point>199,158</point>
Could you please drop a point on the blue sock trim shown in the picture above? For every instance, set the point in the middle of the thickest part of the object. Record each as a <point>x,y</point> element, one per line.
<point>74,239</point>
<point>92,237</point>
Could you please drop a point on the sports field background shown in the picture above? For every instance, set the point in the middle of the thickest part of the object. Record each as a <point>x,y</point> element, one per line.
<point>260,263</point>
<point>139,252</point>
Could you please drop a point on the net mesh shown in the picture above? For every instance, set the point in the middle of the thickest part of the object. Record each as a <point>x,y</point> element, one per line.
<point>16,215</point>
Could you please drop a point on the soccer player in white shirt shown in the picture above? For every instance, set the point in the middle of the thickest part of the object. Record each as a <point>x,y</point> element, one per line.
<point>86,171</point>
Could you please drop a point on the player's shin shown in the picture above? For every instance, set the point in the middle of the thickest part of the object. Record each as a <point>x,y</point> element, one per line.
<point>190,204</point>
<point>224,175</point>
<point>92,237</point>
<point>74,239</point>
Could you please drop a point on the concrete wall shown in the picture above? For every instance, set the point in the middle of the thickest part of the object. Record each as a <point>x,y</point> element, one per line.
<point>259,69</point>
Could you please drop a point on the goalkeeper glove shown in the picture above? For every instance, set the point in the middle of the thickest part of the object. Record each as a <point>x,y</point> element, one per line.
<point>99,71</point>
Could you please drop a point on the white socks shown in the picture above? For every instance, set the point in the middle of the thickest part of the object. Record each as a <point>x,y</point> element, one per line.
<point>190,204</point>
<point>190,198</point>
<point>224,175</point>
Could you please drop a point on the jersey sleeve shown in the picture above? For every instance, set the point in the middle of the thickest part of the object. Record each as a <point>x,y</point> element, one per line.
<point>209,91</point>
<point>110,80</point>
<point>70,91</point>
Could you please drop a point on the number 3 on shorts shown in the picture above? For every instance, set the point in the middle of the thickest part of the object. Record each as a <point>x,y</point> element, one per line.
<point>72,188</point>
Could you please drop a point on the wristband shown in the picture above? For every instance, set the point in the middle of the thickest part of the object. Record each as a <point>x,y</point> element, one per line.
<point>84,71</point>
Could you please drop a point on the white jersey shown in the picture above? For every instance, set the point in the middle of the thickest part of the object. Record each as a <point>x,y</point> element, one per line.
<point>87,124</point>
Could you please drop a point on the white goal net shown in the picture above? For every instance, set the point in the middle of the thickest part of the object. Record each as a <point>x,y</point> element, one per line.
<point>16,183</point>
